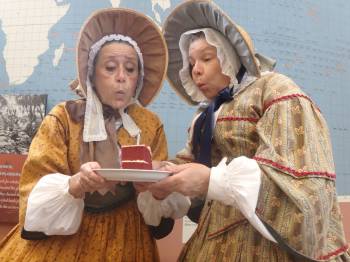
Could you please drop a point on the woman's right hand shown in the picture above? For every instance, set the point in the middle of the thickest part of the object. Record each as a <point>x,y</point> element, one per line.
<point>191,179</point>
<point>156,165</point>
<point>143,186</point>
<point>161,165</point>
<point>86,180</point>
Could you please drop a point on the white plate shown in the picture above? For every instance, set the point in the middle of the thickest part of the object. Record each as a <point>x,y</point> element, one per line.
<point>134,175</point>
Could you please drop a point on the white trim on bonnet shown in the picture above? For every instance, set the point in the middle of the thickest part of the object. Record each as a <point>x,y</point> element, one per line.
<point>94,127</point>
<point>228,58</point>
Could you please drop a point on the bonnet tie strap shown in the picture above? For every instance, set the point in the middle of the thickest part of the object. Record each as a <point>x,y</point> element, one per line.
<point>203,128</point>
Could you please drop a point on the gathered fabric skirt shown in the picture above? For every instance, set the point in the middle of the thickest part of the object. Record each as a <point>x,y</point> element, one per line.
<point>239,244</point>
<point>116,235</point>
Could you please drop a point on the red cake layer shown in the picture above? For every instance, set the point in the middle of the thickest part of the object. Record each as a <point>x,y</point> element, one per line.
<point>136,157</point>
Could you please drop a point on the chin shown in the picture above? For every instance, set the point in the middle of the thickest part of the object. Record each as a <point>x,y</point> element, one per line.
<point>118,105</point>
<point>209,96</point>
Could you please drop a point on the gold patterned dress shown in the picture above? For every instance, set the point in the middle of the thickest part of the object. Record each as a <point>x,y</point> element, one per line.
<point>274,122</point>
<point>119,234</point>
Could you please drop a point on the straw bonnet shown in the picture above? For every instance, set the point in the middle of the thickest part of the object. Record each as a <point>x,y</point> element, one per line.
<point>204,14</point>
<point>138,27</point>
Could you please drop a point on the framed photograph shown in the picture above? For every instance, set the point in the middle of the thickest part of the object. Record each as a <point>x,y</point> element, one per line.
<point>20,118</point>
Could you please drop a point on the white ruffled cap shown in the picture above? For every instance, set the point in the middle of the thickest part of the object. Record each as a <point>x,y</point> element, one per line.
<point>145,36</point>
<point>204,14</point>
<point>94,126</point>
<point>229,60</point>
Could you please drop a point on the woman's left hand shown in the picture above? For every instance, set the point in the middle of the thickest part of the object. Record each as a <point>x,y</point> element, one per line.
<point>188,179</point>
<point>141,186</point>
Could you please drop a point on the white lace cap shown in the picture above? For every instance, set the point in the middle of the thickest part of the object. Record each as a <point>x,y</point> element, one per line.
<point>94,127</point>
<point>229,60</point>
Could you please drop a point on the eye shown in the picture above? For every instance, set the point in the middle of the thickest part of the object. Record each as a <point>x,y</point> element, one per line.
<point>110,68</point>
<point>207,58</point>
<point>130,69</point>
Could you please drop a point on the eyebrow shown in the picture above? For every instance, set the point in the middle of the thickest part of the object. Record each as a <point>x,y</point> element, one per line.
<point>211,48</point>
<point>205,51</point>
<point>132,58</point>
<point>207,48</point>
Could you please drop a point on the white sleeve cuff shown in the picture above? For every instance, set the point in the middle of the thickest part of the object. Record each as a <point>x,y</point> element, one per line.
<point>237,184</point>
<point>175,206</point>
<point>217,187</point>
<point>51,209</point>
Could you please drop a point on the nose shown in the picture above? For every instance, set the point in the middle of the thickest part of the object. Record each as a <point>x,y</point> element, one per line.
<point>120,74</point>
<point>197,69</point>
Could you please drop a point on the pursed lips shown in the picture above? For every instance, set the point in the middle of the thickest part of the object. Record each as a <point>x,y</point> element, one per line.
<point>119,93</point>
<point>201,86</point>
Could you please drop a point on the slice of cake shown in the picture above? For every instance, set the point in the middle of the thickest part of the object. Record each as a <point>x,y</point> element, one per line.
<point>136,157</point>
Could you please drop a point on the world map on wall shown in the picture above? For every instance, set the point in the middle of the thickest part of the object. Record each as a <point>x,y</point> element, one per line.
<point>309,39</point>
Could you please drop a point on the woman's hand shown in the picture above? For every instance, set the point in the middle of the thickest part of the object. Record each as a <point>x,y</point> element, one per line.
<point>86,180</point>
<point>188,179</point>
<point>141,186</point>
<point>156,165</point>
<point>161,165</point>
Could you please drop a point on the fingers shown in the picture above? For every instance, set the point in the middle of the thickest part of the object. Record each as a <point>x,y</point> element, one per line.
<point>141,186</point>
<point>159,194</point>
<point>177,168</point>
<point>84,184</point>
<point>88,179</point>
<point>164,187</point>
<point>161,165</point>
<point>156,164</point>
<point>189,179</point>
<point>89,174</point>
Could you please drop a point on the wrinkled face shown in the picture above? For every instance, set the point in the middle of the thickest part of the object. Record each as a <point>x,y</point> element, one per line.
<point>206,69</point>
<point>116,74</point>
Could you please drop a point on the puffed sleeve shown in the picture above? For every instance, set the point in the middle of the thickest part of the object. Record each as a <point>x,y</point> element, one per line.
<point>47,159</point>
<point>47,154</point>
<point>297,200</point>
<point>51,209</point>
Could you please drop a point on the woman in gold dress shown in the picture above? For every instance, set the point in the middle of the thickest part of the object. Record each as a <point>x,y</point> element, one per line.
<point>67,211</point>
